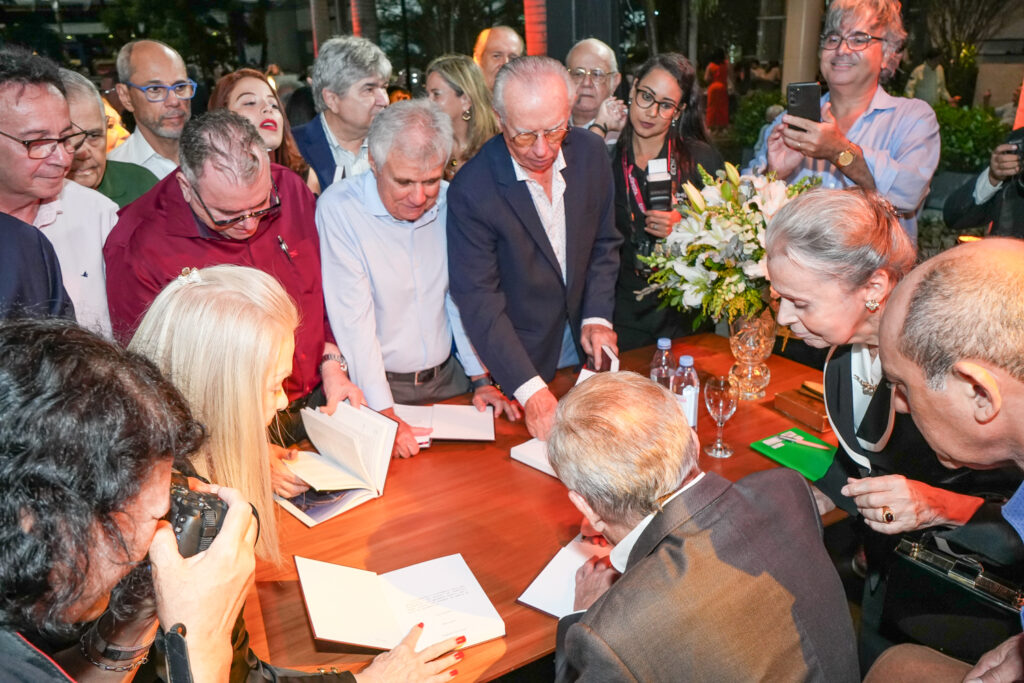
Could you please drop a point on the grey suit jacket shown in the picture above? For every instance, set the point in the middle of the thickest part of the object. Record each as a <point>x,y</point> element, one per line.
<point>730,582</point>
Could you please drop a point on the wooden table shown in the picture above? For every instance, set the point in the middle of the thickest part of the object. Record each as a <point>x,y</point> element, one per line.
<point>508,520</point>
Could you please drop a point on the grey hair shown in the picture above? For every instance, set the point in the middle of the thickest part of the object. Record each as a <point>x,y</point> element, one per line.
<point>622,442</point>
<point>968,304</point>
<point>124,57</point>
<point>844,234</point>
<point>425,130</point>
<point>613,63</point>
<point>342,62</point>
<point>76,85</point>
<point>228,141</point>
<point>528,69</point>
<point>884,13</point>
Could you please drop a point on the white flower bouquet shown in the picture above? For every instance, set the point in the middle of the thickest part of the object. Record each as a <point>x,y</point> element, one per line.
<point>714,258</point>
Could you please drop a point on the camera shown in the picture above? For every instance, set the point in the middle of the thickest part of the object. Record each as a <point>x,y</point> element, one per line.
<point>196,517</point>
<point>659,185</point>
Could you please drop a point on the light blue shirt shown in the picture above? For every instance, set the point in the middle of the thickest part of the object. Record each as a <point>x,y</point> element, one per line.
<point>386,287</point>
<point>1013,512</point>
<point>900,141</point>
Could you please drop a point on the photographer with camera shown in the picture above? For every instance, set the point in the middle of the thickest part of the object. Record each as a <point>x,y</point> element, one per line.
<point>88,435</point>
<point>996,196</point>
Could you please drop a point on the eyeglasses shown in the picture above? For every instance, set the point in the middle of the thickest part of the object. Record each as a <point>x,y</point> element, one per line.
<point>554,136</point>
<point>645,99</point>
<point>855,41</point>
<point>183,90</point>
<point>41,148</point>
<point>94,137</point>
<point>598,75</point>
<point>275,203</point>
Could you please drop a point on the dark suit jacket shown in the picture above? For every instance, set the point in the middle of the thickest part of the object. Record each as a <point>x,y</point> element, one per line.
<point>903,450</point>
<point>1003,212</point>
<point>503,273</point>
<point>315,149</point>
<point>730,582</point>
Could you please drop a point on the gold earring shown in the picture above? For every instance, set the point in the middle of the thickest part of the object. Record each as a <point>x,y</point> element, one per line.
<point>871,305</point>
<point>467,115</point>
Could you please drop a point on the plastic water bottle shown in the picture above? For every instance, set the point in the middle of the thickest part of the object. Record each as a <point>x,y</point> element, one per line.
<point>663,364</point>
<point>686,387</point>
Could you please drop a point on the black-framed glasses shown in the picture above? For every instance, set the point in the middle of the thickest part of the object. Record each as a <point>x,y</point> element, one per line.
<point>855,41</point>
<point>94,136</point>
<point>41,148</point>
<point>275,204</point>
<point>598,75</point>
<point>554,136</point>
<point>645,99</point>
<point>156,92</point>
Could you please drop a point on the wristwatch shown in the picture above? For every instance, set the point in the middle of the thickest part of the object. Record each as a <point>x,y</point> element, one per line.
<point>338,358</point>
<point>484,381</point>
<point>845,158</point>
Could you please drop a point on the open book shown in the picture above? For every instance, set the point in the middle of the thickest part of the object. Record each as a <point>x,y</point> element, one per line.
<point>554,589</point>
<point>448,422</point>
<point>354,453</point>
<point>360,607</point>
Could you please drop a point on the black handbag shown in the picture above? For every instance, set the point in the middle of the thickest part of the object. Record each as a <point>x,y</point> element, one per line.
<point>948,602</point>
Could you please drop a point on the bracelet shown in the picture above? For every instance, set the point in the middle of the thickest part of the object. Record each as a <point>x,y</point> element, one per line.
<point>600,126</point>
<point>484,381</point>
<point>118,655</point>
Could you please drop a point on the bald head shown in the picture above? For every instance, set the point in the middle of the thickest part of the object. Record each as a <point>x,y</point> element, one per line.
<point>593,68</point>
<point>495,47</point>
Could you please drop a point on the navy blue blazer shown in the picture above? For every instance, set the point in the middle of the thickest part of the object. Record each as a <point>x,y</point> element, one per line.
<point>315,149</point>
<point>503,273</point>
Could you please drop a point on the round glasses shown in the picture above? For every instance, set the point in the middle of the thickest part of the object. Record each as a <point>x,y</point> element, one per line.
<point>855,41</point>
<point>41,148</point>
<point>645,99</point>
<point>554,136</point>
<point>155,92</point>
<point>597,75</point>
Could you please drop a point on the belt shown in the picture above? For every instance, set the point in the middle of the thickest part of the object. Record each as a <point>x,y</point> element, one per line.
<point>420,376</point>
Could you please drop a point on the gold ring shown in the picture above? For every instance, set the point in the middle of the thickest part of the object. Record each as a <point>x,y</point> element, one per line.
<point>887,515</point>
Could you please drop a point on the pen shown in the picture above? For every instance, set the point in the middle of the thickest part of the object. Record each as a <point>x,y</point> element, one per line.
<point>804,442</point>
<point>284,247</point>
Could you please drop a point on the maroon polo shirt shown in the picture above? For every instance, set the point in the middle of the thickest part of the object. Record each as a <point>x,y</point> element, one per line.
<point>158,234</point>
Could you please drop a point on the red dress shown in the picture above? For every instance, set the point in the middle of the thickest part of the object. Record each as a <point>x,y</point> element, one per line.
<point>718,95</point>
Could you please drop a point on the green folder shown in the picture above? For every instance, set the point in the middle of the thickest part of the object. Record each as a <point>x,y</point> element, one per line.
<point>808,461</point>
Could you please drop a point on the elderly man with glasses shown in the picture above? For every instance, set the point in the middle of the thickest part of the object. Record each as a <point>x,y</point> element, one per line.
<point>866,137</point>
<point>37,143</point>
<point>594,71</point>
<point>156,89</point>
<point>229,204</point>
<point>533,251</point>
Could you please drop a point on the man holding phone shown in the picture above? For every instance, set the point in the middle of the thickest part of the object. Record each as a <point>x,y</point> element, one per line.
<point>863,136</point>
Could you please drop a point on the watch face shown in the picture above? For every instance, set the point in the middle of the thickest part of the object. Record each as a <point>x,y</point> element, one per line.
<point>845,158</point>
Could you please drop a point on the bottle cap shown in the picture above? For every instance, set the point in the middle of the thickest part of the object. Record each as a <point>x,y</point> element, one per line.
<point>664,343</point>
<point>686,361</point>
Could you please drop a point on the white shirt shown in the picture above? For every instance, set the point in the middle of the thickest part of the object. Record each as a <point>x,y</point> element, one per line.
<point>386,287</point>
<point>984,190</point>
<point>77,223</point>
<point>136,150</point>
<point>347,164</point>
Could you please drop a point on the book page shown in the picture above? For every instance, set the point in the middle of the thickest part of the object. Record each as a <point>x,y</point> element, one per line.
<point>322,473</point>
<point>554,589</point>
<point>374,434</point>
<point>325,506</point>
<point>338,443</point>
<point>415,416</point>
<point>535,454</point>
<point>463,423</point>
<point>347,605</point>
<point>447,598</point>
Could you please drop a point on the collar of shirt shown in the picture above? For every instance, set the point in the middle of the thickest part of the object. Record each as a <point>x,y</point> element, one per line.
<point>139,151</point>
<point>558,165</point>
<point>369,196</point>
<point>343,157</point>
<point>619,555</point>
<point>48,211</point>
<point>1013,511</point>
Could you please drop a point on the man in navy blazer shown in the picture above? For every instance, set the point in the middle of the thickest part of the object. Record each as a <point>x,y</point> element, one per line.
<point>533,249</point>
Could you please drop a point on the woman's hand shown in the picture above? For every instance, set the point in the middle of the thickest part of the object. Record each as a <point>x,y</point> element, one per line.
<point>913,505</point>
<point>283,481</point>
<point>660,223</point>
<point>405,664</point>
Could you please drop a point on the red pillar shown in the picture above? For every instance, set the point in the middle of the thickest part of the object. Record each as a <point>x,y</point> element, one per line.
<point>536,14</point>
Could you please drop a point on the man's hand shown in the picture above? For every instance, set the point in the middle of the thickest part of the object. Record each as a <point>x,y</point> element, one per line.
<point>1004,664</point>
<point>406,445</point>
<point>1004,163</point>
<point>338,387</point>
<point>782,158</point>
<point>206,592</point>
<point>592,338</point>
<point>590,534</point>
<point>593,578</point>
<point>612,114</point>
<point>818,140</point>
<point>405,664</point>
<point>540,414</point>
<point>660,223</point>
<point>284,482</point>
<point>489,395</point>
<point>913,505</point>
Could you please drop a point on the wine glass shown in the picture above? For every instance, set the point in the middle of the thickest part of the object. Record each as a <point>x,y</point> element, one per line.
<point>720,396</point>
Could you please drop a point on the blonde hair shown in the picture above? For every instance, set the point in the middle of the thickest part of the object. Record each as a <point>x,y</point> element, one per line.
<point>622,442</point>
<point>216,334</point>
<point>464,77</point>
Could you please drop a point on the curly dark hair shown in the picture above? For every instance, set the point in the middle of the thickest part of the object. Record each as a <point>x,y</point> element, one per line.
<point>18,65</point>
<point>82,424</point>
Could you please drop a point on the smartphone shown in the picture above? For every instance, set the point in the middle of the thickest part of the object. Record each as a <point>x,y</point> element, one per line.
<point>804,100</point>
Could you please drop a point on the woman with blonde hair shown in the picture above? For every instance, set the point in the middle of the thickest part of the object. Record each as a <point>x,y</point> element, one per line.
<point>224,336</point>
<point>456,85</point>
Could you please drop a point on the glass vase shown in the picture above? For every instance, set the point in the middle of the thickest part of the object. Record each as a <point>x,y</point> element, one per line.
<point>751,340</point>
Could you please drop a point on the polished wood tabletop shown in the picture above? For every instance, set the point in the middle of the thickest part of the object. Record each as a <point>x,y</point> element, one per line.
<point>505,518</point>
